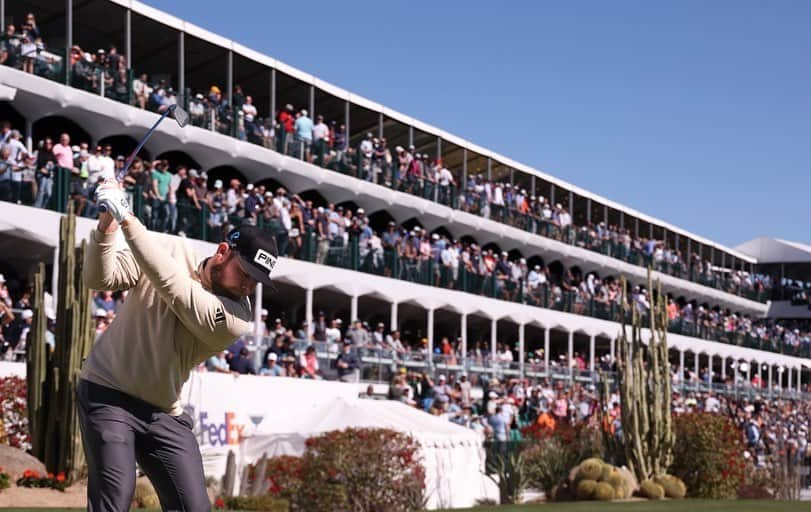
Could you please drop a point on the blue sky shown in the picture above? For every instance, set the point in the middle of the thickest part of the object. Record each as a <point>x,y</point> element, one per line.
<point>691,111</point>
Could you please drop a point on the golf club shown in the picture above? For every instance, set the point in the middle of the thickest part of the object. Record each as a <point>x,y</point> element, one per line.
<point>180,116</point>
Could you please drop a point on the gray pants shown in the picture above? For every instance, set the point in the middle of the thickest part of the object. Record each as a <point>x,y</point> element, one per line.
<point>119,430</point>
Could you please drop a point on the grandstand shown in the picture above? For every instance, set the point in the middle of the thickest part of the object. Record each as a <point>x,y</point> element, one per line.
<point>482,264</point>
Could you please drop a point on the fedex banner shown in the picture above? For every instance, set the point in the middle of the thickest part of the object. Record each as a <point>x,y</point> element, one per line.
<point>227,409</point>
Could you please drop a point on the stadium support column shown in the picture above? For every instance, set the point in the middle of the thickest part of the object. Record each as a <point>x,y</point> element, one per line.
<point>546,351</point>
<point>3,14</point>
<point>230,78</point>
<point>489,168</point>
<point>570,356</point>
<point>464,169</point>
<point>709,370</point>
<point>770,380</point>
<point>748,373</point>
<point>393,317</point>
<point>521,349</point>
<point>612,348</point>
<point>353,308</point>
<point>380,122</point>
<point>410,136</point>
<point>430,332</point>
<point>308,311</point>
<point>69,24</point>
<point>127,36</point>
<point>588,210</point>
<point>695,365</point>
<point>799,379</point>
<point>258,326</point>
<point>759,375</point>
<point>724,368</point>
<point>552,194</point>
<point>788,379</point>
<point>681,367</point>
<point>463,331</point>
<point>28,135</point>
<point>493,338</point>
<point>312,102</point>
<point>346,123</point>
<point>181,69</point>
<point>622,220</point>
<point>591,346</point>
<point>273,93</point>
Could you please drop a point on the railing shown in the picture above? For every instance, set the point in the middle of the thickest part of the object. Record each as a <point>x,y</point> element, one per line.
<point>50,64</point>
<point>381,365</point>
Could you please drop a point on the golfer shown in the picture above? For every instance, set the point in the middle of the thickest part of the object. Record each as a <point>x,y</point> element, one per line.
<point>179,311</point>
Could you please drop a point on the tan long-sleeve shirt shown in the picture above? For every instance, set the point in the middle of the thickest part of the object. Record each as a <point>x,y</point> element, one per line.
<point>169,322</point>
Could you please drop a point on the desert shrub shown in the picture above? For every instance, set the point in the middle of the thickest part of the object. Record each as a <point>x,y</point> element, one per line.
<point>551,455</point>
<point>361,470</point>
<point>509,472</point>
<point>264,503</point>
<point>284,474</point>
<point>708,455</point>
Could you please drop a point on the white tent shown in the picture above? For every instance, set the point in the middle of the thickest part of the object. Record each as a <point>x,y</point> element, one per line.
<point>252,416</point>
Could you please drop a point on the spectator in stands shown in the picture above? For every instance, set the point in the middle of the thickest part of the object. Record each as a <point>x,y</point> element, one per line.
<point>309,364</point>
<point>271,368</point>
<point>347,364</point>
<point>241,363</point>
<point>303,127</point>
<point>219,363</point>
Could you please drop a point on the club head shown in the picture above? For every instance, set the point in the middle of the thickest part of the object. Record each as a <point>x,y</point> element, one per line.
<point>180,115</point>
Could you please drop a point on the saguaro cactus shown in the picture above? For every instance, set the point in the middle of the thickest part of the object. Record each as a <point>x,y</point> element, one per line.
<point>52,378</point>
<point>643,378</point>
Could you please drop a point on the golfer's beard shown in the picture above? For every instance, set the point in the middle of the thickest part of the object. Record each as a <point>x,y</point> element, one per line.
<point>216,277</point>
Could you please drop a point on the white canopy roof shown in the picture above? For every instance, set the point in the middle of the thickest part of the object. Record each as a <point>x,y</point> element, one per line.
<point>776,250</point>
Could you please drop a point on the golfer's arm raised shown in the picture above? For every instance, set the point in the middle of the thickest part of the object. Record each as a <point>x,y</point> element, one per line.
<point>105,267</point>
<point>215,321</point>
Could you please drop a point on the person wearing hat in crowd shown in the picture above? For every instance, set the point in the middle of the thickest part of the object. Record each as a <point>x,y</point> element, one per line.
<point>271,367</point>
<point>181,310</point>
<point>347,364</point>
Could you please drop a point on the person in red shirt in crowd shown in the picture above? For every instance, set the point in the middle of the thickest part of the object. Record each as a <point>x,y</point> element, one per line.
<point>286,120</point>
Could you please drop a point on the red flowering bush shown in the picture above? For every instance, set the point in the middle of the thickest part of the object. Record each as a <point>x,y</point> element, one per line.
<point>284,475</point>
<point>708,455</point>
<point>360,470</point>
<point>31,478</point>
<point>14,413</point>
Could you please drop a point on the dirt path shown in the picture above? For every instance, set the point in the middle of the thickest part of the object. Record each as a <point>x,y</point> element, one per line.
<point>74,496</point>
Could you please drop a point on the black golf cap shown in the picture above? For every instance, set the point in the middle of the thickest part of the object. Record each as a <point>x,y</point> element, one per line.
<point>257,251</point>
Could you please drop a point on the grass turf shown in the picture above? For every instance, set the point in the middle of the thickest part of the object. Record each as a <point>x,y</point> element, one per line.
<point>655,506</point>
<point>589,506</point>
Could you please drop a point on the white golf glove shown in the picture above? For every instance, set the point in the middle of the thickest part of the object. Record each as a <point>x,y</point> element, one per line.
<point>114,199</point>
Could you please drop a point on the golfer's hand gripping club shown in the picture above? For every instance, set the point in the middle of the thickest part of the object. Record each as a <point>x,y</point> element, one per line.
<point>113,200</point>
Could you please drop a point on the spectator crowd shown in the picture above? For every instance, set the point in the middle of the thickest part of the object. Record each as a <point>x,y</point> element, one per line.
<point>185,201</point>
<point>294,131</point>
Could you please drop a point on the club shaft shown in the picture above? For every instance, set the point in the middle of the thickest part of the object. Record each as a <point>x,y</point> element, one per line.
<point>128,163</point>
<point>134,153</point>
